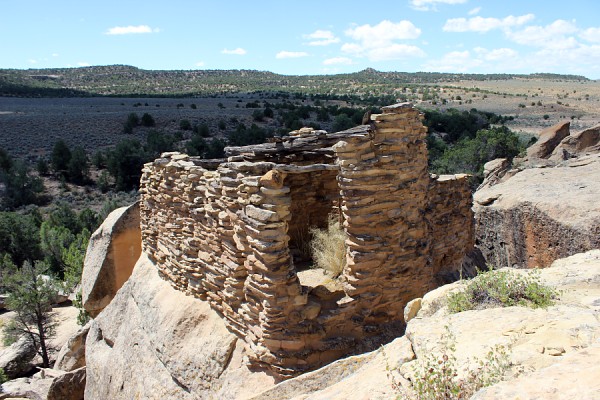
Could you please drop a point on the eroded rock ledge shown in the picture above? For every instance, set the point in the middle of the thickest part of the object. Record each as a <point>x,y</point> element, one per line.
<point>153,342</point>
<point>540,214</point>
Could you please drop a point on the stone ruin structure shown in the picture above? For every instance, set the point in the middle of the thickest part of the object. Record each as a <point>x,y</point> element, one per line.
<point>233,233</point>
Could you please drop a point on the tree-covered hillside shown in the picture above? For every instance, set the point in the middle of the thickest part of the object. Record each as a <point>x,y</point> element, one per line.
<point>122,80</point>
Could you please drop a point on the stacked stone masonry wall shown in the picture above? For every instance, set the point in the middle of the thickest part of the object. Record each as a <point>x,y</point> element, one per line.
<point>229,235</point>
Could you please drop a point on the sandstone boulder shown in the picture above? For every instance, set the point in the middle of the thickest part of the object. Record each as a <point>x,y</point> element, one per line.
<point>112,252</point>
<point>576,144</point>
<point>25,388</point>
<point>68,386</point>
<point>72,355</point>
<point>549,138</point>
<point>540,214</point>
<point>34,388</point>
<point>47,384</point>
<point>154,342</point>
<point>16,360</point>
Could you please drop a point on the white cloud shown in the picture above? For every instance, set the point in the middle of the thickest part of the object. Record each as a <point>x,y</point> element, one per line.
<point>454,61</point>
<point>474,11</point>
<point>478,59</point>
<point>291,54</point>
<point>552,35</point>
<point>127,30</point>
<point>32,61</point>
<point>502,54</point>
<point>83,64</point>
<point>321,38</point>
<point>239,51</point>
<point>558,48</point>
<point>384,32</point>
<point>591,35</point>
<point>200,64</point>
<point>337,60</point>
<point>427,5</point>
<point>582,59</point>
<point>54,54</point>
<point>379,42</point>
<point>480,24</point>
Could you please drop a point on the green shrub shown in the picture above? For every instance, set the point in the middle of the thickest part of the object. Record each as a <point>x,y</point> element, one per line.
<point>328,247</point>
<point>148,120</point>
<point>469,155</point>
<point>185,125</point>
<point>3,377</point>
<point>132,121</point>
<point>82,317</point>
<point>502,288</point>
<point>103,182</point>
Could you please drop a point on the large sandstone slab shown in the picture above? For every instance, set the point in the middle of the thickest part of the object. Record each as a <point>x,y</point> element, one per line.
<point>574,376</point>
<point>587,140</point>
<point>540,214</point>
<point>112,252</point>
<point>154,342</point>
<point>554,351</point>
<point>72,354</point>
<point>548,139</point>
<point>357,377</point>
<point>68,386</point>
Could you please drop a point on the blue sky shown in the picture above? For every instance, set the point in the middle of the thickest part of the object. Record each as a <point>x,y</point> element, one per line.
<point>306,37</point>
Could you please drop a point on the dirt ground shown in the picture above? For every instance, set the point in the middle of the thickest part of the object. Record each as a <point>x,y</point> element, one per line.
<point>30,127</point>
<point>535,103</point>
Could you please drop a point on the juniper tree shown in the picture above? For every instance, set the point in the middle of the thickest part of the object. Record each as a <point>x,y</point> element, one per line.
<point>30,296</point>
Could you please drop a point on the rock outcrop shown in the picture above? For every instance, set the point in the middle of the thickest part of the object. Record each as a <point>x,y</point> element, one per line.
<point>112,252</point>
<point>547,141</point>
<point>35,388</point>
<point>538,215</point>
<point>574,377</point>
<point>26,388</point>
<point>17,359</point>
<point>72,355</point>
<point>554,352</point>
<point>47,384</point>
<point>154,342</point>
<point>574,145</point>
<point>68,386</point>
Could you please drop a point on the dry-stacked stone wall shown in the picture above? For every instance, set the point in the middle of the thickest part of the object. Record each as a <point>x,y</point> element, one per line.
<point>451,225</point>
<point>234,235</point>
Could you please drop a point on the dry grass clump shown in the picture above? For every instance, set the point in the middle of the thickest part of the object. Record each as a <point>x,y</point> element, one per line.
<point>441,378</point>
<point>328,247</point>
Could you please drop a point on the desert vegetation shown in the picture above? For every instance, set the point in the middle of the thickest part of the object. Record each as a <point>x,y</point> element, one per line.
<point>122,80</point>
<point>502,288</point>
<point>31,295</point>
<point>439,376</point>
<point>328,247</point>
